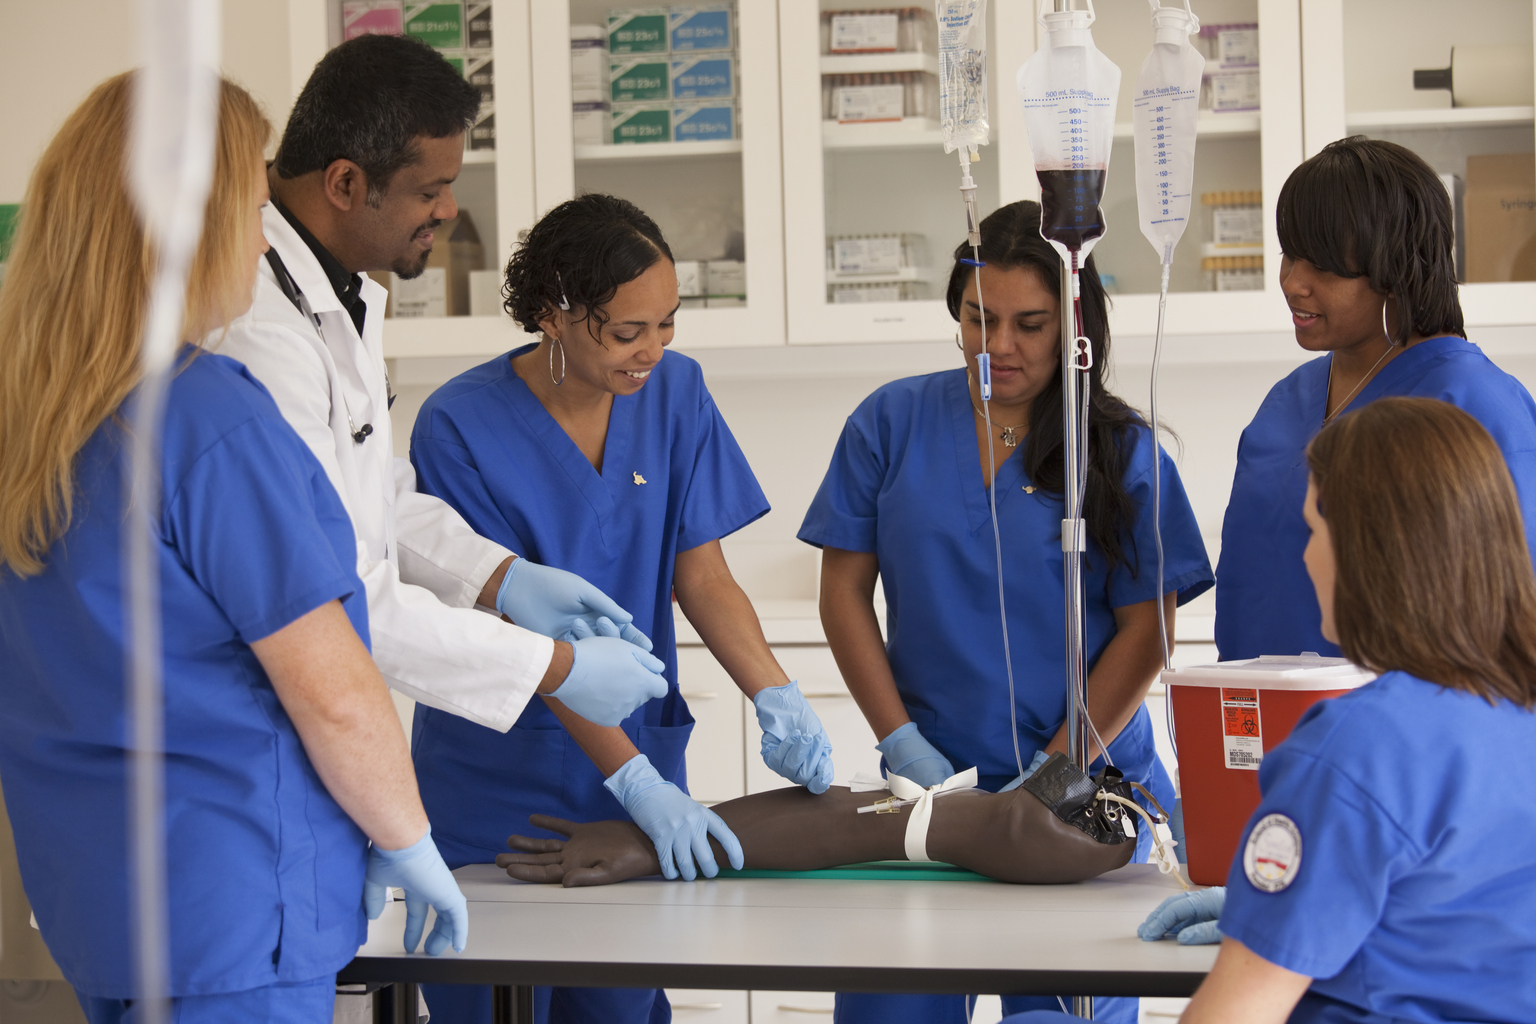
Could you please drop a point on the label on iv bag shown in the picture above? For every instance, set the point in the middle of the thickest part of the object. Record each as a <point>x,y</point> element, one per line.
<point>864,33</point>
<point>1242,738</point>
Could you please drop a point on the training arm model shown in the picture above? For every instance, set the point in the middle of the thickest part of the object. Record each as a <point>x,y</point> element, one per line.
<point>342,712</point>
<point>795,745</point>
<point>853,633</point>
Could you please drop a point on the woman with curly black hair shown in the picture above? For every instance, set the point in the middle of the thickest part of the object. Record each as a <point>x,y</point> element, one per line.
<point>597,451</point>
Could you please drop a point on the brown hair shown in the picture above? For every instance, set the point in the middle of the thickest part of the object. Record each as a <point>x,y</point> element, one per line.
<point>1433,574</point>
<point>75,295</point>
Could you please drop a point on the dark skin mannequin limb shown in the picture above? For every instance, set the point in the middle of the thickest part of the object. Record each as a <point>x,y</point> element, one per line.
<point>1012,837</point>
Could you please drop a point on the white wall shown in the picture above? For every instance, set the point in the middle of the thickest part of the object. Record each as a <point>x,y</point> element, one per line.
<point>53,54</point>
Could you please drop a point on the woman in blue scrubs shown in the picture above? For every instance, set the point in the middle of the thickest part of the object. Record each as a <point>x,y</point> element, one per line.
<point>1370,276</point>
<point>596,451</point>
<point>905,499</point>
<point>283,753</point>
<point>1386,874</point>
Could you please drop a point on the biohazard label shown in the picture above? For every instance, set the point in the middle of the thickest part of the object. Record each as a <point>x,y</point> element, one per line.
<point>1242,738</point>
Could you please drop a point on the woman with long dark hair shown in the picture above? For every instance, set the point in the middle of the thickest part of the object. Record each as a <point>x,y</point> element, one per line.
<point>905,500</point>
<point>1370,276</point>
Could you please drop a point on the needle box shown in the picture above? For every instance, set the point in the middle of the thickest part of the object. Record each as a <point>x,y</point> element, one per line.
<point>1226,717</point>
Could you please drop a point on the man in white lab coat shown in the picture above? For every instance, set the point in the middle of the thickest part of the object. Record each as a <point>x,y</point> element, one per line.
<point>363,175</point>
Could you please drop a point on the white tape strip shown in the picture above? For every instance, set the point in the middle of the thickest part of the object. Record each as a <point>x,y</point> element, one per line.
<point>917,822</point>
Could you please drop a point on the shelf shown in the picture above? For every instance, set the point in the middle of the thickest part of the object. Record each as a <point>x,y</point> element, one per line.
<point>878,63</point>
<point>906,133</point>
<point>657,150</point>
<point>1458,117</point>
<point>479,156</point>
<point>1238,124</point>
<point>904,274</point>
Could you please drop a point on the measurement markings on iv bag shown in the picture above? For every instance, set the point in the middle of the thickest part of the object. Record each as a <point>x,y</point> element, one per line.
<point>1242,735</point>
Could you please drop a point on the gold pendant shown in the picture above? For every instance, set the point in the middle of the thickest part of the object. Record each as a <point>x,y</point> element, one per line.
<point>1010,438</point>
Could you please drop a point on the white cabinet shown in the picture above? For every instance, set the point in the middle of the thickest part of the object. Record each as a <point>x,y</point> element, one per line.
<point>716,750</point>
<point>791,1007</point>
<point>708,1006</point>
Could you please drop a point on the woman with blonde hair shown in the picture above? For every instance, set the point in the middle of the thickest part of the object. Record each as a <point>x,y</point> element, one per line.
<point>283,755</point>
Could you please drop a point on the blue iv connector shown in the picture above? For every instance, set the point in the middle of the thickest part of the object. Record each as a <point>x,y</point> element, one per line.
<point>984,369</point>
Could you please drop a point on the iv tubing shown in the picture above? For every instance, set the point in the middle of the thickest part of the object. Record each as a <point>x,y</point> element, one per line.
<point>1157,505</point>
<point>986,413</point>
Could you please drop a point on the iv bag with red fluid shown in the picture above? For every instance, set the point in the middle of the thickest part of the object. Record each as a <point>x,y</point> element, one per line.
<point>1068,89</point>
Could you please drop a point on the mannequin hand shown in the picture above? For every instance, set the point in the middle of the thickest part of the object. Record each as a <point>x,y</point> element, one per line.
<point>551,601</point>
<point>1192,916</point>
<point>420,871</point>
<point>909,755</point>
<point>679,825</point>
<point>1039,759</point>
<point>609,679</point>
<point>794,743</point>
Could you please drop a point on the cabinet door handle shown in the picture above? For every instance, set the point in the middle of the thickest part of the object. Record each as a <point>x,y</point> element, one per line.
<point>805,1009</point>
<point>699,695</point>
<point>698,1006</point>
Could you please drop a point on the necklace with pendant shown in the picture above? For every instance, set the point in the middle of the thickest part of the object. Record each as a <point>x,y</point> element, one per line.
<point>1010,435</point>
<point>1329,416</point>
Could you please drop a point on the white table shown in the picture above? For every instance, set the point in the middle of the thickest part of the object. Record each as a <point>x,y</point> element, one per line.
<point>801,934</point>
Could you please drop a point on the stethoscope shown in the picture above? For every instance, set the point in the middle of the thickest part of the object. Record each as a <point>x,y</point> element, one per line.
<point>290,288</point>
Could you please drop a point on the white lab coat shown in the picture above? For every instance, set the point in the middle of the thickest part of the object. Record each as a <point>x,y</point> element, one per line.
<point>422,565</point>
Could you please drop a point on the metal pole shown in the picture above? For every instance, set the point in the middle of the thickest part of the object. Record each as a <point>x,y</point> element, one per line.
<point>1072,532</point>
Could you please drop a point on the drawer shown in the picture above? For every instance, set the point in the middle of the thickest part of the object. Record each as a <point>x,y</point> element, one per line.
<point>716,750</point>
<point>791,1007</point>
<point>707,1006</point>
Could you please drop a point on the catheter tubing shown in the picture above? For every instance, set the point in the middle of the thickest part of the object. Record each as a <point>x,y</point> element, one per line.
<point>1157,482</point>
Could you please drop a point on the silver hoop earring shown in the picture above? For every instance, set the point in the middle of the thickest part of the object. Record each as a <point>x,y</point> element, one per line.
<point>552,343</point>
<point>1391,341</point>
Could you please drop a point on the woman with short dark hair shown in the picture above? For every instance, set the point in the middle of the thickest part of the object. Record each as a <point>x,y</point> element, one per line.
<point>1369,274</point>
<point>597,451</point>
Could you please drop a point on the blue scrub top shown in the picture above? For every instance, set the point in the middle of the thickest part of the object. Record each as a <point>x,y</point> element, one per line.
<point>1413,896</point>
<point>265,870</point>
<point>1265,603</point>
<point>905,483</point>
<point>673,478</point>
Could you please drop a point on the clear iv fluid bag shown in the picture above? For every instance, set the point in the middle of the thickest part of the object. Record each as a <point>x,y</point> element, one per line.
<point>963,73</point>
<point>1164,106</point>
<point>1069,89</point>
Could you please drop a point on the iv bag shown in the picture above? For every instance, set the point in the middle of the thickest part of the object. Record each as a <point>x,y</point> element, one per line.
<point>963,73</point>
<point>1069,89</point>
<point>1164,106</point>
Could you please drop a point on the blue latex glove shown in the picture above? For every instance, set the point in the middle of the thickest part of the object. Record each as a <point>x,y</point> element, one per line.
<point>420,871</point>
<point>551,601</point>
<point>1034,765</point>
<point>1192,916</point>
<point>609,679</point>
<point>909,755</point>
<point>794,743</point>
<point>678,824</point>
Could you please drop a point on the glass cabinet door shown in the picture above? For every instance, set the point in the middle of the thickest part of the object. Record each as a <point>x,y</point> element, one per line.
<point>675,109</point>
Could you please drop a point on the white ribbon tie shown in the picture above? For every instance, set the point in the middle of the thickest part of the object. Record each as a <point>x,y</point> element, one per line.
<point>917,822</point>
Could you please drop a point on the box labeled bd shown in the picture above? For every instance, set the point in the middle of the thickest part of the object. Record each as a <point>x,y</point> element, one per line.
<point>480,72</point>
<point>371,18</point>
<point>440,26</point>
<point>477,26</point>
<point>589,64</point>
<point>704,122</point>
<point>641,122</point>
<point>638,81</point>
<point>442,289</point>
<point>640,30</point>
<point>705,27</point>
<point>703,78</point>
<point>1226,718</point>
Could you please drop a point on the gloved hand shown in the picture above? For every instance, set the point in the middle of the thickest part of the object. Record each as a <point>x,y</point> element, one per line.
<point>420,871</point>
<point>1191,916</point>
<point>1034,765</point>
<point>909,755</point>
<point>551,601</point>
<point>678,824</point>
<point>794,743</point>
<point>608,679</point>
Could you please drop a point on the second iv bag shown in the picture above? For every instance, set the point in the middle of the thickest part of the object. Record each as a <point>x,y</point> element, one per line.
<point>1069,89</point>
<point>963,74</point>
<point>1164,106</point>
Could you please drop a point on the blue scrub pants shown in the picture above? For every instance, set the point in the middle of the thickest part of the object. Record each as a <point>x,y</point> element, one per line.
<point>471,1004</point>
<point>890,1008</point>
<point>304,1002</point>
